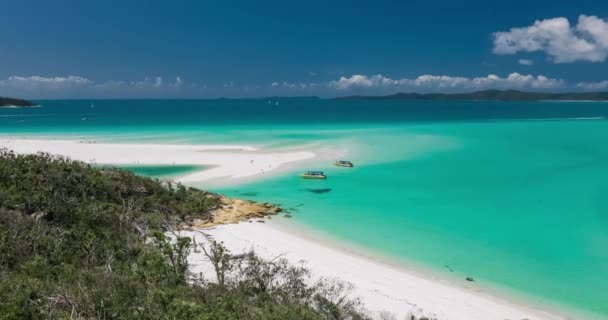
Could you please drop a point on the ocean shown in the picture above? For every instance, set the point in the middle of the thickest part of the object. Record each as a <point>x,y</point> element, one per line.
<point>513,194</point>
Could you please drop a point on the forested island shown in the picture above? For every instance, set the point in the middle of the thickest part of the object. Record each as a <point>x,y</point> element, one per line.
<point>12,102</point>
<point>490,95</point>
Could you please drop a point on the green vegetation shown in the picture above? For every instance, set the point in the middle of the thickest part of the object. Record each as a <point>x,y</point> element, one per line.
<point>12,102</point>
<point>80,242</point>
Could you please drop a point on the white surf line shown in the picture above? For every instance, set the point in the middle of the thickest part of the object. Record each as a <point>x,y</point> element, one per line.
<point>228,161</point>
<point>380,286</point>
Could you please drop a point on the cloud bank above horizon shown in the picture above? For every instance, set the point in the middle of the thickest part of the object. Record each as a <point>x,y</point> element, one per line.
<point>448,83</point>
<point>72,86</point>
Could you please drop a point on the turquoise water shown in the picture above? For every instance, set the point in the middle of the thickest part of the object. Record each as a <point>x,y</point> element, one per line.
<point>513,194</point>
<point>518,205</point>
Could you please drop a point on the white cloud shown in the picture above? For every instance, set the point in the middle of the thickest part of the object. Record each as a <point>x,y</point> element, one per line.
<point>292,85</point>
<point>147,82</point>
<point>587,41</point>
<point>158,82</point>
<point>438,82</point>
<point>179,81</point>
<point>447,83</point>
<point>600,85</point>
<point>77,86</point>
<point>364,81</point>
<point>525,62</point>
<point>35,83</point>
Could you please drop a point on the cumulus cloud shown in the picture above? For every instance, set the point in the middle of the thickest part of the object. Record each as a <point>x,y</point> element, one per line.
<point>447,83</point>
<point>600,85</point>
<point>561,41</point>
<point>364,81</point>
<point>525,62</point>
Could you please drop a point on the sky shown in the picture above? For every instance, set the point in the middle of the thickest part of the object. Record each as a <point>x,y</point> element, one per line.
<point>209,49</point>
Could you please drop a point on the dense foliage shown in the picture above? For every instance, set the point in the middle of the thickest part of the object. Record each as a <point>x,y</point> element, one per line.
<point>83,243</point>
<point>4,101</point>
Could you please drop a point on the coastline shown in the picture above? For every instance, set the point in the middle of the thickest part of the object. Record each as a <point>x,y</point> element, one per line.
<point>230,163</point>
<point>495,292</point>
<point>380,285</point>
<point>397,289</point>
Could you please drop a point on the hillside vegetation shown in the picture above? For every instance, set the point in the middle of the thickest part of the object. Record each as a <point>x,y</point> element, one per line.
<point>12,102</point>
<point>80,242</point>
<point>491,95</point>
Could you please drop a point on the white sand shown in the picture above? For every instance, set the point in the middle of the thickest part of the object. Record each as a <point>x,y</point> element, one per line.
<point>230,162</point>
<point>380,286</point>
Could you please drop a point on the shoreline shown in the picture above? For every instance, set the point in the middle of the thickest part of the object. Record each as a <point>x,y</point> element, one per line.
<point>488,289</point>
<point>420,290</point>
<point>229,163</point>
<point>381,285</point>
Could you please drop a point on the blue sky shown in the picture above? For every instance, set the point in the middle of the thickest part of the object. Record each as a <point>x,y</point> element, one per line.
<point>115,49</point>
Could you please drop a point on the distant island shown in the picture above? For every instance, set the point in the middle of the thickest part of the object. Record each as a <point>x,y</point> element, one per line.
<point>12,102</point>
<point>490,95</point>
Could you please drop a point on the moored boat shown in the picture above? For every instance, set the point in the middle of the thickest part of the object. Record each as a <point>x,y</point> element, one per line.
<point>313,175</point>
<point>344,163</point>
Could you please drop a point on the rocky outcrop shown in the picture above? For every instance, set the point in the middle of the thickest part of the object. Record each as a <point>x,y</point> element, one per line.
<point>236,210</point>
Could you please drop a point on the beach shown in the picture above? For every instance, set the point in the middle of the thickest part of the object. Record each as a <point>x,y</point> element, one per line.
<point>233,162</point>
<point>381,286</point>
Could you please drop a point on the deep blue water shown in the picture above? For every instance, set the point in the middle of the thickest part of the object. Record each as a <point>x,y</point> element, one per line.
<point>289,111</point>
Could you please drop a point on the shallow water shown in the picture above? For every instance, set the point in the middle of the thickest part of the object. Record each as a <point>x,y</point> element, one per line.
<point>518,205</point>
<point>513,194</point>
<point>159,171</point>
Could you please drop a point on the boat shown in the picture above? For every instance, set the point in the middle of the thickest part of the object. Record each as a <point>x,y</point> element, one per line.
<point>343,163</point>
<point>313,175</point>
